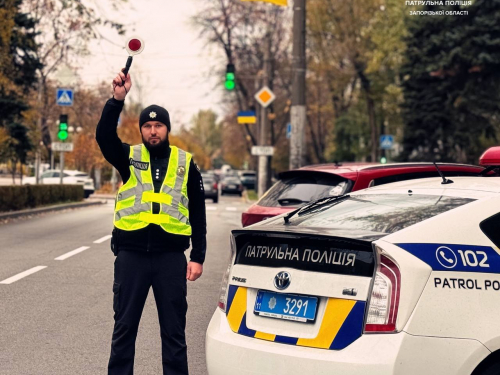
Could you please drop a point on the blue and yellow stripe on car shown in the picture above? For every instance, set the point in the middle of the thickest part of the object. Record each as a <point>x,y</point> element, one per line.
<point>342,322</point>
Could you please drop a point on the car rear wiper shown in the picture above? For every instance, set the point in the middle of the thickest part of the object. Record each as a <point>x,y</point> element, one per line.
<point>290,201</point>
<point>309,207</point>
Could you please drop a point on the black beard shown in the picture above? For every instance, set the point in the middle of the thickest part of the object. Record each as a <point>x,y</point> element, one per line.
<point>158,149</point>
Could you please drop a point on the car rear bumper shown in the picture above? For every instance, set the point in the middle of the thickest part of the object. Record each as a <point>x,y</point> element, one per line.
<point>211,194</point>
<point>235,191</point>
<point>396,354</point>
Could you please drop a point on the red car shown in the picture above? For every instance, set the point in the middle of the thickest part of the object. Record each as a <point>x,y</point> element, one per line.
<point>310,183</point>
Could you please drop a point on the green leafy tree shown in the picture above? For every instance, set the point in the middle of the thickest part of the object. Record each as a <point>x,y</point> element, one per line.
<point>207,131</point>
<point>452,75</point>
<point>18,67</point>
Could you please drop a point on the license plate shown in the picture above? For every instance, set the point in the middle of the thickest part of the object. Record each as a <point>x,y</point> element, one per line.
<point>232,186</point>
<point>285,306</point>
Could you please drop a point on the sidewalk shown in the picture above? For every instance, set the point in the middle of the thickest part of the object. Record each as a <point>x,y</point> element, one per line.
<point>57,207</point>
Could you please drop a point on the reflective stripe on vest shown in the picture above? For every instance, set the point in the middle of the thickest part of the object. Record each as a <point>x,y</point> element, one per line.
<point>134,201</point>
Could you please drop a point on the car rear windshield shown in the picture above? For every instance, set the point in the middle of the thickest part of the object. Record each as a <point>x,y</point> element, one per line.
<point>304,188</point>
<point>248,174</point>
<point>81,175</point>
<point>379,213</point>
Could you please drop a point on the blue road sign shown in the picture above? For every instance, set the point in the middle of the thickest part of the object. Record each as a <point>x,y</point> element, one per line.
<point>64,97</point>
<point>288,131</point>
<point>386,141</point>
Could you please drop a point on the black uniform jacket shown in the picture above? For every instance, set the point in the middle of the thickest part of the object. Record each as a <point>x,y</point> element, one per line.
<point>153,237</point>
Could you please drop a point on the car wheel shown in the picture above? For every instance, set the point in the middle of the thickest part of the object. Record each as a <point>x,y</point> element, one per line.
<point>216,199</point>
<point>221,193</point>
<point>240,194</point>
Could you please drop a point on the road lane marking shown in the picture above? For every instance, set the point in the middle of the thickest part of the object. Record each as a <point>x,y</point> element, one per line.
<point>230,208</point>
<point>71,253</point>
<point>211,208</point>
<point>19,276</point>
<point>101,240</point>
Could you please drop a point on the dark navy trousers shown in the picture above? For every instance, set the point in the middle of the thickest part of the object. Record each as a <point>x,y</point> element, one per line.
<point>135,273</point>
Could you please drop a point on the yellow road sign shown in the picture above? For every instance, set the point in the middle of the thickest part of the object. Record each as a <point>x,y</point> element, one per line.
<point>265,96</point>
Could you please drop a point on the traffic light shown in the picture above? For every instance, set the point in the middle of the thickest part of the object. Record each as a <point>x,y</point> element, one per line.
<point>63,127</point>
<point>230,83</point>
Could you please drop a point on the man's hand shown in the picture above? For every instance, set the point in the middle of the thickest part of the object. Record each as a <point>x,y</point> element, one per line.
<point>194,270</point>
<point>120,89</point>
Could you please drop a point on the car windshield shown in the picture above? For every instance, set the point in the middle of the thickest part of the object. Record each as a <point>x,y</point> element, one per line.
<point>386,214</point>
<point>303,189</point>
<point>81,175</point>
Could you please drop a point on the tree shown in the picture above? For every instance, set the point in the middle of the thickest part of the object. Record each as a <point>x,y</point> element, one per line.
<point>452,102</point>
<point>342,42</point>
<point>63,30</point>
<point>242,31</point>
<point>18,66</point>
<point>208,133</point>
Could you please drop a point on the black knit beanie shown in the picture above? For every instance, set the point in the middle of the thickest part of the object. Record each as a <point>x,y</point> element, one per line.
<point>155,113</point>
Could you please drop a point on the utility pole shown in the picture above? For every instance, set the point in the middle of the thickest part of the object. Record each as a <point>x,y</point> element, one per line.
<point>39,126</point>
<point>263,176</point>
<point>61,161</point>
<point>298,110</point>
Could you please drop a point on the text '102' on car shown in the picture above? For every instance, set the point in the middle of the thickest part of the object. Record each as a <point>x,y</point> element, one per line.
<point>400,279</point>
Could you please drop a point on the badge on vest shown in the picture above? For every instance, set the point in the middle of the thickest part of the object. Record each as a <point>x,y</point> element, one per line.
<point>181,171</point>
<point>143,166</point>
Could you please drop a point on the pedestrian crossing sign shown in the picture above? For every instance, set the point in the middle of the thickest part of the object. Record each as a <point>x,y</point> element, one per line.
<point>64,97</point>
<point>386,141</point>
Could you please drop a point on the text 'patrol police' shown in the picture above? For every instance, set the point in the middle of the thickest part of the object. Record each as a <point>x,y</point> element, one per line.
<point>315,256</point>
<point>456,283</point>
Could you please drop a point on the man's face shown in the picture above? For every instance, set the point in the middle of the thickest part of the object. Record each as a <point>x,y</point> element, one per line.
<point>154,133</point>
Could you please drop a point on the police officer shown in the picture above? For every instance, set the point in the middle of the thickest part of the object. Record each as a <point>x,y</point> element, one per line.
<point>160,206</point>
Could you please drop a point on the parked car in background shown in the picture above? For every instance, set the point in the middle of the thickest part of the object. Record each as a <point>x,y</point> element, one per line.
<point>248,179</point>
<point>211,173</point>
<point>231,185</point>
<point>307,184</point>
<point>70,177</point>
<point>210,186</point>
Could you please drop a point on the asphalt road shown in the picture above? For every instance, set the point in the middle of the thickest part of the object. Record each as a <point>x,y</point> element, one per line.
<point>58,320</point>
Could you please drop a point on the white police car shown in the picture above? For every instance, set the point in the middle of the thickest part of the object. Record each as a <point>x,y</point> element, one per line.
<point>397,279</point>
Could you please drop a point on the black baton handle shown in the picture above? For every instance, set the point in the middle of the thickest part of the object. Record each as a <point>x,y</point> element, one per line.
<point>127,67</point>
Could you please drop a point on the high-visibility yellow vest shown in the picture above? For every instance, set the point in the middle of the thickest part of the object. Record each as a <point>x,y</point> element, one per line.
<point>134,200</point>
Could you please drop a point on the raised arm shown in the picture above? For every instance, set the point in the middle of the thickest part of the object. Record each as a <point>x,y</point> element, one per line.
<point>112,148</point>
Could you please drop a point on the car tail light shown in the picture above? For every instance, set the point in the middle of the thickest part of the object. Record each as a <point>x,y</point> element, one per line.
<point>384,301</point>
<point>215,186</point>
<point>225,278</point>
<point>241,187</point>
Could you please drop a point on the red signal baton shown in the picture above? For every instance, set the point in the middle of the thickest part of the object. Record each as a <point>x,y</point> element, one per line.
<point>134,46</point>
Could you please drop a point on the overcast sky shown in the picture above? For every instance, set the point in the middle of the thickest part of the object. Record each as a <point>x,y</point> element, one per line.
<point>173,70</point>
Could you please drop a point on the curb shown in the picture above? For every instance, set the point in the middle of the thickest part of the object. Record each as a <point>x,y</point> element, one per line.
<point>103,196</point>
<point>59,207</point>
